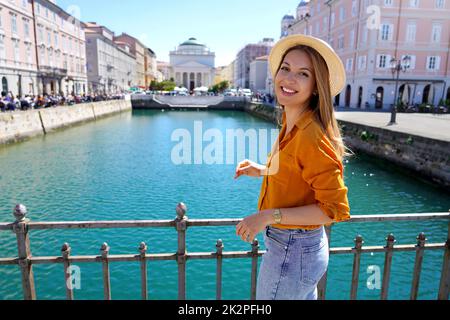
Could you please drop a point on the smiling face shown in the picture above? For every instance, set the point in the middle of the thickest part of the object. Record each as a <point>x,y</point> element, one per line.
<point>295,82</point>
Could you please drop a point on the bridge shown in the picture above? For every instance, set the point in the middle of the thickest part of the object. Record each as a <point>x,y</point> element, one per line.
<point>188,102</point>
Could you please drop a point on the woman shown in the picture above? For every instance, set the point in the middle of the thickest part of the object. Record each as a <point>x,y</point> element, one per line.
<point>303,188</point>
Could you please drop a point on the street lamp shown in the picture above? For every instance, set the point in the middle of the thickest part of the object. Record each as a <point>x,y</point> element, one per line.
<point>396,66</point>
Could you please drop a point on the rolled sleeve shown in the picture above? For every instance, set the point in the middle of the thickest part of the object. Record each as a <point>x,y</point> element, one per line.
<point>324,174</point>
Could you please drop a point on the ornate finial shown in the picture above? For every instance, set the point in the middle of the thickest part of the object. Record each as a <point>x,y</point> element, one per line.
<point>390,240</point>
<point>105,247</point>
<point>219,246</point>
<point>359,241</point>
<point>20,212</point>
<point>65,247</point>
<point>181,210</point>
<point>142,247</point>
<point>255,245</point>
<point>421,238</point>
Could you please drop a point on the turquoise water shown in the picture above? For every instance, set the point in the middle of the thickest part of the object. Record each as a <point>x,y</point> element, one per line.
<point>120,168</point>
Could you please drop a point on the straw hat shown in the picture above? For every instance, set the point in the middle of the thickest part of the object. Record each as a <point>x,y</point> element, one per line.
<point>334,63</point>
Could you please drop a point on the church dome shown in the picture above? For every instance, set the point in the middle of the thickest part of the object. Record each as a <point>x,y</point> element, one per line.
<point>192,42</point>
<point>288,17</point>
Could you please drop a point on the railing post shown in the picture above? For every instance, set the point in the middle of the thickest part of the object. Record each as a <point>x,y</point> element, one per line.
<point>322,285</point>
<point>219,250</point>
<point>65,250</point>
<point>106,279</point>
<point>390,241</point>
<point>20,228</point>
<point>181,226</point>
<point>418,265</point>
<point>255,248</point>
<point>142,251</point>
<point>356,266</point>
<point>445,275</point>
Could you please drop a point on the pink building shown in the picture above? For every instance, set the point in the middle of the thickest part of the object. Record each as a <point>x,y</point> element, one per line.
<point>18,67</point>
<point>42,49</point>
<point>368,34</point>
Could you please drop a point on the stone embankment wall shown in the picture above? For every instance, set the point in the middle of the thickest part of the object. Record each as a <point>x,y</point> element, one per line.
<point>19,125</point>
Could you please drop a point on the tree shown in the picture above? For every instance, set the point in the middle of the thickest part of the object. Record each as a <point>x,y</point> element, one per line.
<point>220,87</point>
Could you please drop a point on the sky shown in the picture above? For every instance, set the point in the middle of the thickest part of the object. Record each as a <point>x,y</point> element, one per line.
<point>224,26</point>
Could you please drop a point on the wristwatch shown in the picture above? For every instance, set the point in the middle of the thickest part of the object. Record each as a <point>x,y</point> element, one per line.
<point>277,216</point>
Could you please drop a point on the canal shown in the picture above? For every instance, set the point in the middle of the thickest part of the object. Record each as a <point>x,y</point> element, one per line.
<point>123,168</point>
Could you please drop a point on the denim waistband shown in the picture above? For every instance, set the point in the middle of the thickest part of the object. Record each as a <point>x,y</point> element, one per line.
<point>299,232</point>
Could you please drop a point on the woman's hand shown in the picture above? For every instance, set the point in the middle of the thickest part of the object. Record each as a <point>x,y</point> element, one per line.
<point>249,168</point>
<point>248,228</point>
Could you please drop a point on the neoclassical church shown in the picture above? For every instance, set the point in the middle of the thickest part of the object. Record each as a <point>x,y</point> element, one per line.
<point>192,65</point>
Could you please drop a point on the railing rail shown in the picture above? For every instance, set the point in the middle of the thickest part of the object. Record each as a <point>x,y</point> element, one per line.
<point>22,226</point>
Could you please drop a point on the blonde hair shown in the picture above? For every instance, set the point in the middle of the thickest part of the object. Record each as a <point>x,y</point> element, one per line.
<point>321,104</point>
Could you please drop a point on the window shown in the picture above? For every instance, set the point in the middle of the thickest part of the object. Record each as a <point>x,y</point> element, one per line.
<point>341,42</point>
<point>412,64</point>
<point>433,63</point>
<point>352,38</point>
<point>362,61</point>
<point>436,33</point>
<point>440,4</point>
<point>349,65</point>
<point>333,17</point>
<point>29,56</point>
<point>383,61</point>
<point>411,32</point>
<point>414,3</point>
<point>354,13</point>
<point>386,32</point>
<point>26,27</point>
<point>14,23</point>
<point>2,48</point>
<point>388,3</point>
<point>342,14</point>
<point>16,51</point>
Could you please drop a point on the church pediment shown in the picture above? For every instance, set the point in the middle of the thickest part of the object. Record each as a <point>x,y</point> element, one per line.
<point>191,64</point>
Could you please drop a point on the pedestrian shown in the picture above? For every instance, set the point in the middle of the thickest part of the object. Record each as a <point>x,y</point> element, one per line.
<point>303,188</point>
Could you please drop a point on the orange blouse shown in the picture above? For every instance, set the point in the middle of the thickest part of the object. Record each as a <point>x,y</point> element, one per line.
<point>304,171</point>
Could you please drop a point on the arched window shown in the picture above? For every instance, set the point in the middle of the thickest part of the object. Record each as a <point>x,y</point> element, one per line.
<point>379,97</point>
<point>348,96</point>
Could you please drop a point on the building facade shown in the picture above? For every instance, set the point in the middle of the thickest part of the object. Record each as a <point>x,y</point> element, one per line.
<point>18,65</point>
<point>60,50</point>
<point>163,72</point>
<point>368,34</point>
<point>258,74</point>
<point>42,49</point>
<point>137,49</point>
<point>150,66</point>
<point>192,65</point>
<point>110,67</point>
<point>245,56</point>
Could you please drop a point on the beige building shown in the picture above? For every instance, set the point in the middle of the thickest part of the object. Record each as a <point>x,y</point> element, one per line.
<point>150,66</point>
<point>163,70</point>
<point>60,47</point>
<point>110,65</point>
<point>370,34</point>
<point>138,50</point>
<point>258,74</point>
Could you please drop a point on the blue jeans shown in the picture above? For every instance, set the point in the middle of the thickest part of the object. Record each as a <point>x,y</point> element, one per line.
<point>293,265</point>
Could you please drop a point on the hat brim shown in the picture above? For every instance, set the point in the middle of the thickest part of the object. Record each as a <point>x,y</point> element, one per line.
<point>333,61</point>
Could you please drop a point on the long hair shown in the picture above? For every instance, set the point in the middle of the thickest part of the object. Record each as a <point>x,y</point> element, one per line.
<point>321,104</point>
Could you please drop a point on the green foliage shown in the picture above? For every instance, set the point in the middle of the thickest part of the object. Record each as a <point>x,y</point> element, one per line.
<point>220,87</point>
<point>166,85</point>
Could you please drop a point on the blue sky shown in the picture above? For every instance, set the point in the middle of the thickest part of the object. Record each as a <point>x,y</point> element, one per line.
<point>224,26</point>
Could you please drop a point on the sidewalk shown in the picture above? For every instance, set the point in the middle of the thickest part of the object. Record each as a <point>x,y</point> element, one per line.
<point>420,124</point>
